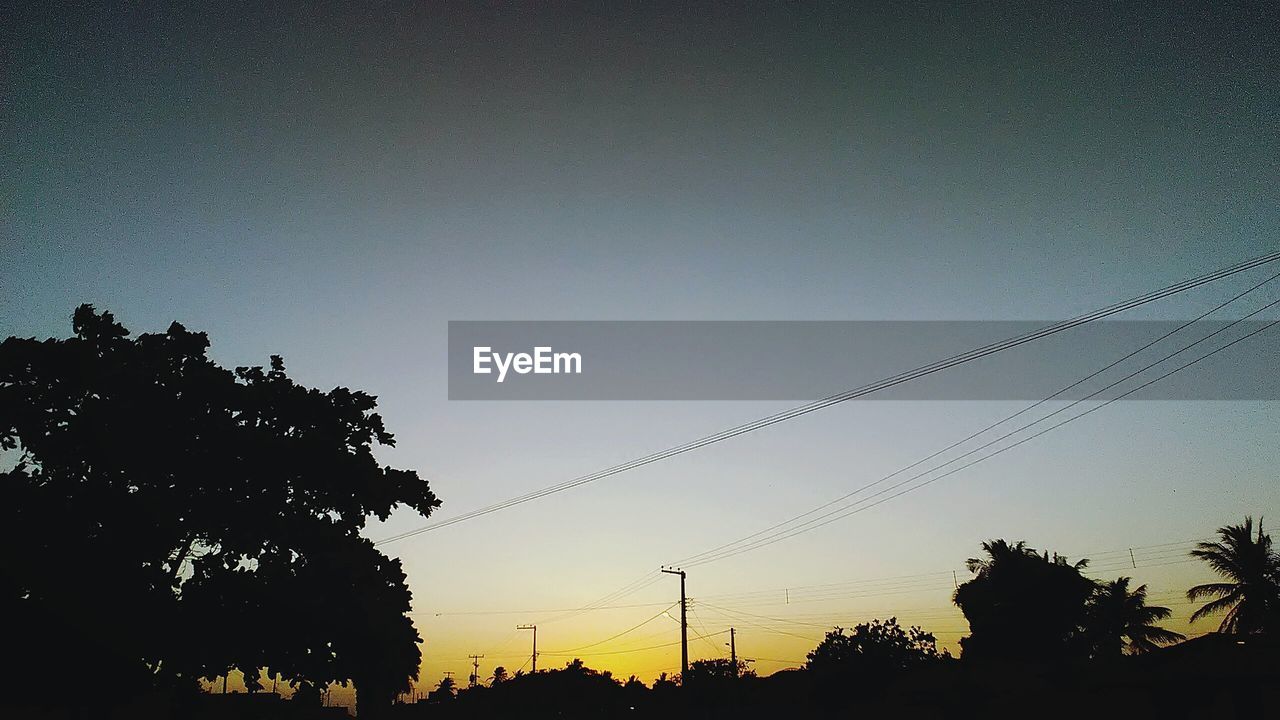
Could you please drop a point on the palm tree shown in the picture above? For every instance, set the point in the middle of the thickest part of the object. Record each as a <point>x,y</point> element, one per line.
<point>1002,552</point>
<point>1251,597</point>
<point>998,551</point>
<point>1021,604</point>
<point>1120,620</point>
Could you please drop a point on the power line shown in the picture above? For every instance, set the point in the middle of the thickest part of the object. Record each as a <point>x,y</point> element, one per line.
<point>696,558</point>
<point>857,587</point>
<point>631,629</point>
<point>807,408</point>
<point>741,614</point>
<point>917,615</point>
<point>693,610</point>
<point>737,614</point>
<point>853,508</point>
<point>631,588</point>
<point>542,610</point>
<point>731,611</point>
<point>642,649</point>
<point>1053,427</point>
<point>923,613</point>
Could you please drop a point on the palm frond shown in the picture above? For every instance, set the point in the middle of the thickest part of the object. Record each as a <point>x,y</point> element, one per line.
<point>1151,637</point>
<point>1151,613</point>
<point>1209,590</point>
<point>1221,558</point>
<point>1214,607</point>
<point>1231,622</point>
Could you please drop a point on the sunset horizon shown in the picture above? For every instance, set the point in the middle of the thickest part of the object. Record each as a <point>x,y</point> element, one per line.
<point>346,344</point>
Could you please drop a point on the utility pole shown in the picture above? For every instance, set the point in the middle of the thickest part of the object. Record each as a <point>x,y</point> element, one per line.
<point>733,649</point>
<point>475,669</point>
<point>534,628</point>
<point>684,625</point>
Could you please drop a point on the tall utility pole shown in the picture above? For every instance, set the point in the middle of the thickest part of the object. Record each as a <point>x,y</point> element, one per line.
<point>534,628</point>
<point>733,649</point>
<point>475,669</point>
<point>684,625</point>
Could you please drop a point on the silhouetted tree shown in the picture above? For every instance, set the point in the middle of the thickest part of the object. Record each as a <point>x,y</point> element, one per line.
<point>633,682</point>
<point>1118,620</point>
<point>874,646</point>
<point>499,675</point>
<point>854,667</point>
<point>715,670</point>
<point>663,683</point>
<point>1251,596</point>
<point>1022,605</point>
<point>446,690</point>
<point>634,692</point>
<point>575,690</point>
<point>174,519</point>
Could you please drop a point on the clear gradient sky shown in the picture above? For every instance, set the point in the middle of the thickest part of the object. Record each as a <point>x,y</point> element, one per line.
<point>334,184</point>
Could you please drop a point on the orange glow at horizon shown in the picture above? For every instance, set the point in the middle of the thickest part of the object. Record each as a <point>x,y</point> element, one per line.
<point>775,628</point>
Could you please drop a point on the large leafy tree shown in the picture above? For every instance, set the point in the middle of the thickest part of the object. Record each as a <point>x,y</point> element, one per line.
<point>1249,596</point>
<point>1022,605</point>
<point>1119,620</point>
<point>173,519</point>
<point>873,647</point>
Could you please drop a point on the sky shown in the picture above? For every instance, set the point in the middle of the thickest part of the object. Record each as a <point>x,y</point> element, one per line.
<point>335,183</point>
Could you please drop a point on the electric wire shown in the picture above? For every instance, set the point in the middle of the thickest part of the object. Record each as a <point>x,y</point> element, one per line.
<point>631,629</point>
<point>958,443</point>
<point>1024,440</point>
<point>841,397</point>
<point>634,650</point>
<point>739,616</point>
<point>866,587</point>
<point>852,508</point>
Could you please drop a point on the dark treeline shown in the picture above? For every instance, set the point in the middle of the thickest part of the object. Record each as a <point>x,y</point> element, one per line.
<point>1209,676</point>
<point>168,521</point>
<point>1045,640</point>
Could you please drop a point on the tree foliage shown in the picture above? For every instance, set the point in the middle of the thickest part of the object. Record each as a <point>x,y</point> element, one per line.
<point>665,683</point>
<point>1119,620</point>
<point>1022,605</point>
<point>1249,599</point>
<point>1028,606</point>
<point>874,646</point>
<point>716,671</point>
<point>180,519</point>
